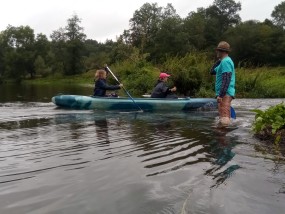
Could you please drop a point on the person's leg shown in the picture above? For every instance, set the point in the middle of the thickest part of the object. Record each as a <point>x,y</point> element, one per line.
<point>224,108</point>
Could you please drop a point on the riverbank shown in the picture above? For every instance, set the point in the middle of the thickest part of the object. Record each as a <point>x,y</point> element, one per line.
<point>263,82</point>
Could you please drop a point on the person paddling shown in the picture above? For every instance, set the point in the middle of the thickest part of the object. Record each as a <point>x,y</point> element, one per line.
<point>101,85</point>
<point>161,90</point>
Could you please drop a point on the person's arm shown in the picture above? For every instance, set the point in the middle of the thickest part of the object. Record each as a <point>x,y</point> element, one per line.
<point>105,86</point>
<point>226,79</point>
<point>166,90</point>
<point>170,90</point>
<point>212,71</point>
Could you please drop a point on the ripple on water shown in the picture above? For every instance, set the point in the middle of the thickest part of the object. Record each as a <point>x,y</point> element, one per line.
<point>56,160</point>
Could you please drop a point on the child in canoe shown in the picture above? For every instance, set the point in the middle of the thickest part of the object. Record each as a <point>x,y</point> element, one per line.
<point>101,85</point>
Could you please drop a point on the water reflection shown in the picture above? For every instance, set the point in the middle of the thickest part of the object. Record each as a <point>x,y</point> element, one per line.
<point>39,93</point>
<point>55,160</point>
<point>221,150</point>
<point>101,126</point>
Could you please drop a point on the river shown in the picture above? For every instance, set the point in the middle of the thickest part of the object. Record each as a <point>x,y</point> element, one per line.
<point>56,160</point>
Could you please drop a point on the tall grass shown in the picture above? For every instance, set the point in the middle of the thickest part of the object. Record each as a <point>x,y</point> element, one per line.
<point>263,82</point>
<point>190,74</point>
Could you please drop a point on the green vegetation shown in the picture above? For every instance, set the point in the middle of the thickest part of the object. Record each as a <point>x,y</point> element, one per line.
<point>269,125</point>
<point>158,39</point>
<point>86,78</point>
<point>190,73</point>
<point>262,82</point>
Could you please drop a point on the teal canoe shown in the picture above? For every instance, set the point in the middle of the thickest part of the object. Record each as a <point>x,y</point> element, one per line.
<point>127,104</point>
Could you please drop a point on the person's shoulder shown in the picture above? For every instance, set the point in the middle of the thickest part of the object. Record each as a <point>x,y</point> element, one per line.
<point>102,80</point>
<point>226,60</point>
<point>158,83</point>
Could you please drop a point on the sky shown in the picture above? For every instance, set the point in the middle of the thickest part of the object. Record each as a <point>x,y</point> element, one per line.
<point>106,19</point>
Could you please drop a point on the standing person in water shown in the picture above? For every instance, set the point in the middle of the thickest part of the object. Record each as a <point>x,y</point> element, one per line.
<point>161,90</point>
<point>101,85</point>
<point>225,82</point>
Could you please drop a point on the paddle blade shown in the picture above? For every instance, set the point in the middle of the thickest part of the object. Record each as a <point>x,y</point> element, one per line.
<point>233,113</point>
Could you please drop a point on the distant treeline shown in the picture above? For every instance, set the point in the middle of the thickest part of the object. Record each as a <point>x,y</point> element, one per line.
<point>157,35</point>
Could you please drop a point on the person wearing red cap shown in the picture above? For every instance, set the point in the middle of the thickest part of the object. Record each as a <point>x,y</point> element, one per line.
<point>161,90</point>
<point>225,82</point>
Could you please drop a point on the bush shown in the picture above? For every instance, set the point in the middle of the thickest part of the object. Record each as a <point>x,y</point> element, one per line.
<point>190,73</point>
<point>270,124</point>
<point>138,77</point>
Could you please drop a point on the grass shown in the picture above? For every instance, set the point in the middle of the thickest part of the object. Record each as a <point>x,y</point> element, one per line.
<point>86,78</point>
<point>263,82</point>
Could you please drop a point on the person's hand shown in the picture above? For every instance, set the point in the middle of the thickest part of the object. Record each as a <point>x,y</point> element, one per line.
<point>173,89</point>
<point>217,63</point>
<point>219,99</point>
<point>121,85</point>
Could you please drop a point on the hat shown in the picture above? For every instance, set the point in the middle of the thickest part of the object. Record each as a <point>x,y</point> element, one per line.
<point>223,46</point>
<point>163,75</point>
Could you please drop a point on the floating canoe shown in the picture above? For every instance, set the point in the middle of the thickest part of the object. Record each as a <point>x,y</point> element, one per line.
<point>127,104</point>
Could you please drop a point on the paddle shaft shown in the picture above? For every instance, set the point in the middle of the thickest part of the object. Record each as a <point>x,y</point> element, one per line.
<point>109,70</point>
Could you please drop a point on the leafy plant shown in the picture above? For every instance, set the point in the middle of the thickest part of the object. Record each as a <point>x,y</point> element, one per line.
<point>271,119</point>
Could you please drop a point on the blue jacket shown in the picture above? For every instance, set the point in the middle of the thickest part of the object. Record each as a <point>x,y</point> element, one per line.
<point>161,90</point>
<point>101,86</point>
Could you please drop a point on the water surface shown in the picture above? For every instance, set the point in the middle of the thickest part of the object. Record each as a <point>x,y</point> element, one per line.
<point>71,161</point>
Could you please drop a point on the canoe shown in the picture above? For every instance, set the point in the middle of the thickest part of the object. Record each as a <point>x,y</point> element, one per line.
<point>127,104</point>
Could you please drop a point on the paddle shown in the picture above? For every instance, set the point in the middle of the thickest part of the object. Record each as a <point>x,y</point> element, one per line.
<point>109,70</point>
<point>233,113</point>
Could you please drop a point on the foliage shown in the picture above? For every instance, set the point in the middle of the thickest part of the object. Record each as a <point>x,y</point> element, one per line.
<point>258,43</point>
<point>189,73</point>
<point>144,26</point>
<point>273,119</point>
<point>263,82</point>
<point>40,67</point>
<point>278,15</point>
<point>157,39</point>
<point>220,16</point>
<point>194,27</point>
<point>138,76</point>
<point>68,44</point>
<point>170,40</point>
<point>18,54</point>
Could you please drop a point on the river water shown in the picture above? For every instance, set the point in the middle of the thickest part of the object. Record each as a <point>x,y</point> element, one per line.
<point>56,160</point>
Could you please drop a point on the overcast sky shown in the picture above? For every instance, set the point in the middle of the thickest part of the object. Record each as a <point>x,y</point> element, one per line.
<point>104,19</point>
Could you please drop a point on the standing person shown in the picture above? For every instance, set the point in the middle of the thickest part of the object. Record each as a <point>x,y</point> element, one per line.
<point>161,90</point>
<point>225,82</point>
<point>101,86</point>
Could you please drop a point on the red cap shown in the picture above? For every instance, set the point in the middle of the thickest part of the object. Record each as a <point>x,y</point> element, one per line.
<point>163,75</point>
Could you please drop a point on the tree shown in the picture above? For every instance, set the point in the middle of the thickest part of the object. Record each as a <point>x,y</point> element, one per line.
<point>74,45</point>
<point>144,26</point>
<point>220,16</point>
<point>278,15</point>
<point>57,56</point>
<point>42,45</point>
<point>170,39</point>
<point>228,12</point>
<point>1,58</point>
<point>68,47</point>
<point>19,54</point>
<point>40,67</point>
<point>42,49</point>
<point>194,26</point>
<point>257,43</point>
